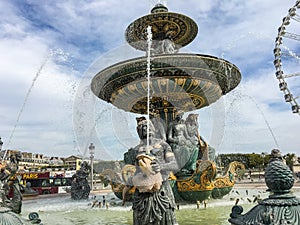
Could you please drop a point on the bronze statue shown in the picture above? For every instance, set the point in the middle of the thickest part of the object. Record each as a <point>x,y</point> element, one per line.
<point>192,126</point>
<point>7,182</point>
<point>153,201</point>
<point>206,152</point>
<point>158,123</point>
<point>80,188</point>
<point>186,153</point>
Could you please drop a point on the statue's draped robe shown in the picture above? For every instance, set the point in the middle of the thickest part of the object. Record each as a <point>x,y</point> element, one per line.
<point>153,208</point>
<point>186,153</point>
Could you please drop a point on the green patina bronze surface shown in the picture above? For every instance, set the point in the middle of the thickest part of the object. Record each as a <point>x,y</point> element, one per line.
<point>218,193</point>
<point>178,82</point>
<point>281,207</point>
<point>164,25</point>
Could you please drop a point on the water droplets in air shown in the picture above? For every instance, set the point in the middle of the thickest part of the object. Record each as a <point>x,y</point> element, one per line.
<point>246,123</point>
<point>57,56</point>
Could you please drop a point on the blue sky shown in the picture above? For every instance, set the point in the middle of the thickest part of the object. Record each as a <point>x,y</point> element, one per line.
<point>70,41</point>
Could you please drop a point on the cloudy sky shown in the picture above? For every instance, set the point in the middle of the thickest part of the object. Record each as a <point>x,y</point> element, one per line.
<point>50,50</point>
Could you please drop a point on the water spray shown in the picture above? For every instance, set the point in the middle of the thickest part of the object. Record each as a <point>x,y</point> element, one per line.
<point>26,99</point>
<point>149,42</point>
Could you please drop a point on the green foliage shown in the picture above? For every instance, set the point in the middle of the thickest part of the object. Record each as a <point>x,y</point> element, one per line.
<point>253,160</point>
<point>289,158</point>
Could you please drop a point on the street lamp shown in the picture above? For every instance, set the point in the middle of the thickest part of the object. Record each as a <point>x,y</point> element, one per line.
<point>92,151</point>
<point>263,154</point>
<point>1,144</point>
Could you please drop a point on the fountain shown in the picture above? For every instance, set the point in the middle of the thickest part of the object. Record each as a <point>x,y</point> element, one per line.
<point>164,85</point>
<point>11,207</point>
<point>281,207</point>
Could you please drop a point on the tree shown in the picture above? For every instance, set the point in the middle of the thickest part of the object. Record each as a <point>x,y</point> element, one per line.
<point>289,159</point>
<point>258,161</point>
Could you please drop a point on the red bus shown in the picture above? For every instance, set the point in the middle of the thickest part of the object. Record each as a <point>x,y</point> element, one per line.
<point>47,182</point>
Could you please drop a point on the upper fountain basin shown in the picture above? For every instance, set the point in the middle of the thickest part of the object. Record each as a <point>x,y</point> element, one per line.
<point>178,28</point>
<point>184,81</point>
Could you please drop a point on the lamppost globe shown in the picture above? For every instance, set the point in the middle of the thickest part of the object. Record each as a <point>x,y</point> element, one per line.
<point>92,149</point>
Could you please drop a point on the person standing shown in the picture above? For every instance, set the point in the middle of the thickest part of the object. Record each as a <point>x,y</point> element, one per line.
<point>103,200</point>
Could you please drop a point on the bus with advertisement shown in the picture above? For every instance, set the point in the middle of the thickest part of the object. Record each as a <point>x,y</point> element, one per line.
<point>54,182</point>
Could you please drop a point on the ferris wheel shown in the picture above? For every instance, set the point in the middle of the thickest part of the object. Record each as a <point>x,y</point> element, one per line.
<point>287,58</point>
